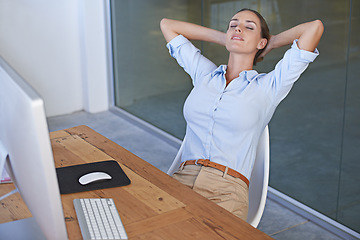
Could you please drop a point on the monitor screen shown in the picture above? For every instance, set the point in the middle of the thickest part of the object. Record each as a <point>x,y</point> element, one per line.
<point>24,139</point>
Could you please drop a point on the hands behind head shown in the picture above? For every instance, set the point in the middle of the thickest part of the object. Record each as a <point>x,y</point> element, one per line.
<point>267,49</point>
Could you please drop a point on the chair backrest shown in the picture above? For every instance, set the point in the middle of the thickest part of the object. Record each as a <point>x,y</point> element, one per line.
<point>259,179</point>
<point>177,161</point>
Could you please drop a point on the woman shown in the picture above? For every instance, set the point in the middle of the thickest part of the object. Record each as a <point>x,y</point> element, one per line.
<point>230,105</point>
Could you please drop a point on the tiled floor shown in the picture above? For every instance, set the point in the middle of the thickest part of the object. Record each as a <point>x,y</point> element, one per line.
<point>278,221</point>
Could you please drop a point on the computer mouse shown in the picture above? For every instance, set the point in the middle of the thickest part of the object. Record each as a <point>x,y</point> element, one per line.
<point>94,177</point>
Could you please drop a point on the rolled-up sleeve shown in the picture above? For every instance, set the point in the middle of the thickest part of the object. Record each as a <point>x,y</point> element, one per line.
<point>190,58</point>
<point>287,71</point>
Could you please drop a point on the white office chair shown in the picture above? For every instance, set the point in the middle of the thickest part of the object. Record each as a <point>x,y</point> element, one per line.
<point>259,179</point>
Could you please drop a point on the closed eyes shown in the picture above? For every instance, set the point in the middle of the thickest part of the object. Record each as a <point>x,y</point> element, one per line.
<point>235,22</point>
<point>247,27</point>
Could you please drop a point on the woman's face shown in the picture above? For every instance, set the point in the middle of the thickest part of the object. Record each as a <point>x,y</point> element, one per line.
<point>244,34</point>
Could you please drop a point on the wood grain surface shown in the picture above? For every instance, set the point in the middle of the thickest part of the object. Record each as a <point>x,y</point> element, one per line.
<point>153,206</point>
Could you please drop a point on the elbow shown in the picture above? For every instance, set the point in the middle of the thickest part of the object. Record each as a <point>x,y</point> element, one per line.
<point>311,35</point>
<point>163,23</point>
<point>167,29</point>
<point>319,26</point>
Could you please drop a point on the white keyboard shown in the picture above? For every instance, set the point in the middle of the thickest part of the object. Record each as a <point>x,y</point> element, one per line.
<point>99,219</point>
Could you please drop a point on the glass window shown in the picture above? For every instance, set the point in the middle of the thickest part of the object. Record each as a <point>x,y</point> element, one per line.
<point>315,132</point>
<point>348,208</point>
<point>306,130</point>
<point>148,82</point>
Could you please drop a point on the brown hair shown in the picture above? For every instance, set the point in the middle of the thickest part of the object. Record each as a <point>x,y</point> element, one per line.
<point>265,32</point>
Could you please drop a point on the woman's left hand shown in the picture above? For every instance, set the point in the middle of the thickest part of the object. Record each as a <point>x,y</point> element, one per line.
<point>268,47</point>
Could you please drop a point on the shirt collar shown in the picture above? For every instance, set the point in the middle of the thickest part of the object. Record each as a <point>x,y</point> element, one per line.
<point>248,75</point>
<point>219,70</point>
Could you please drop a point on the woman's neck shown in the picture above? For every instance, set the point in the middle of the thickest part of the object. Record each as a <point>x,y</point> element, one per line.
<point>236,64</point>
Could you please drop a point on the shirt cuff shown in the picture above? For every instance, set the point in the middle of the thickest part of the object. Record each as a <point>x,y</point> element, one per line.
<point>305,55</point>
<point>176,42</point>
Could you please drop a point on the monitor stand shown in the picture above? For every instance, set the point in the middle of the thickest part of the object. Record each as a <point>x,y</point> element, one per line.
<point>21,229</point>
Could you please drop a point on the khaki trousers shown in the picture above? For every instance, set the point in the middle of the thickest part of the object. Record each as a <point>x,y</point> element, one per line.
<point>228,192</point>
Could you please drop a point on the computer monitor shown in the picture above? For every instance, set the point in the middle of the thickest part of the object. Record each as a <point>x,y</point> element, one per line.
<point>24,139</point>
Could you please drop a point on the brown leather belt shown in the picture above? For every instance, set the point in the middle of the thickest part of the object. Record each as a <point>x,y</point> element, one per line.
<point>208,163</point>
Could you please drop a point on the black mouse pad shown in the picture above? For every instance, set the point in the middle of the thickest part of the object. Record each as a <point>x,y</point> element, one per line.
<point>68,177</point>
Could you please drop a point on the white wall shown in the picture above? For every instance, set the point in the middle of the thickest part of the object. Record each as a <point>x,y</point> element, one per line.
<point>59,47</point>
<point>95,60</point>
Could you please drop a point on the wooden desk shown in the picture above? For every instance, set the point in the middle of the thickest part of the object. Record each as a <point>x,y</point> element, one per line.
<point>153,206</point>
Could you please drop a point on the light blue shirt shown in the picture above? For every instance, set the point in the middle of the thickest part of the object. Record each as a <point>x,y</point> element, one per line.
<point>224,124</point>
